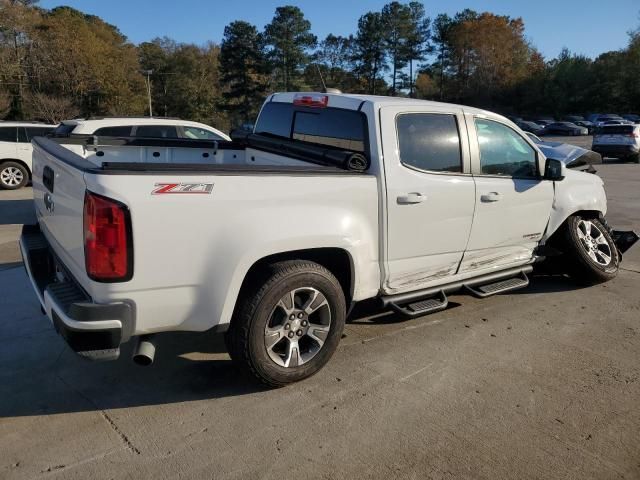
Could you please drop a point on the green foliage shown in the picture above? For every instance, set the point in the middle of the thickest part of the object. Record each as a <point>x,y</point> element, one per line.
<point>60,63</point>
<point>289,37</point>
<point>243,71</point>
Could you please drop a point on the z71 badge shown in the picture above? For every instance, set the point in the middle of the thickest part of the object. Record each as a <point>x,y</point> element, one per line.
<point>174,188</point>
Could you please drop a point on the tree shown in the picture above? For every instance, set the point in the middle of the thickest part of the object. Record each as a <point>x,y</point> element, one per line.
<point>396,23</point>
<point>243,71</point>
<point>289,36</point>
<point>335,60</point>
<point>442,26</point>
<point>370,50</point>
<point>50,108</point>
<point>417,42</point>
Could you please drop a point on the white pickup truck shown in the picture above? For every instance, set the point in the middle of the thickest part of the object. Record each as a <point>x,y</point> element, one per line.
<point>272,237</point>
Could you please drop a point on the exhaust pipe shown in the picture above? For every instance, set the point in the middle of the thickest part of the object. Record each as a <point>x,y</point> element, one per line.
<point>145,351</point>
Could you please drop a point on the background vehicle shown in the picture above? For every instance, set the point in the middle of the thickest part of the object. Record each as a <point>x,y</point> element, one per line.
<point>599,119</point>
<point>532,127</point>
<point>332,200</point>
<point>586,124</point>
<point>544,121</point>
<point>16,151</point>
<point>571,155</point>
<point>564,128</point>
<point>618,141</point>
<point>149,127</point>
<point>632,117</point>
<point>573,118</point>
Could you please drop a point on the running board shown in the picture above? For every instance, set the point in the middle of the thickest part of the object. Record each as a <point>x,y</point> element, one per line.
<point>499,286</point>
<point>417,308</point>
<point>430,300</point>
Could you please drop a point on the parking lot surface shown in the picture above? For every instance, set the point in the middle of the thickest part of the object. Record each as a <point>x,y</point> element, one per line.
<point>541,383</point>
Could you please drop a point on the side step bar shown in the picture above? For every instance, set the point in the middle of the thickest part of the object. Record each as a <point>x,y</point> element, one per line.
<point>499,286</point>
<point>430,300</point>
<point>417,308</point>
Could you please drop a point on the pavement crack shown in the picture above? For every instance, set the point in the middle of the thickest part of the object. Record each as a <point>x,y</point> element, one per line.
<point>114,426</point>
<point>629,270</point>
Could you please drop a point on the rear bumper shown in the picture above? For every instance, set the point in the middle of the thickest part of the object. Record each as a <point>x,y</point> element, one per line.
<point>92,330</point>
<point>616,150</point>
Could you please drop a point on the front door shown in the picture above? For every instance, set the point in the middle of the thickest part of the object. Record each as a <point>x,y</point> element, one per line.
<point>430,194</point>
<point>513,203</point>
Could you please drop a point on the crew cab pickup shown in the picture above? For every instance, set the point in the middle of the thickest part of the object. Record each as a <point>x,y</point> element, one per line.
<point>272,237</point>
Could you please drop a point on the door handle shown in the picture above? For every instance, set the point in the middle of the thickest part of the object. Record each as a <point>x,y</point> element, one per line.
<point>411,198</point>
<point>491,197</point>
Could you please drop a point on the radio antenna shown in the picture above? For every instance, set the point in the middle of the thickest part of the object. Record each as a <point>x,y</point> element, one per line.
<point>324,86</point>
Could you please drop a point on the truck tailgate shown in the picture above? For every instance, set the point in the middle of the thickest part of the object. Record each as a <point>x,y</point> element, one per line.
<point>58,194</point>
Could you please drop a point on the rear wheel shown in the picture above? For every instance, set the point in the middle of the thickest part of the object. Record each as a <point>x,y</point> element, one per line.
<point>635,158</point>
<point>13,176</point>
<point>591,254</point>
<point>288,323</point>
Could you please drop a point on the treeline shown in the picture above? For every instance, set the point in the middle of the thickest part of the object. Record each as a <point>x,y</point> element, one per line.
<point>62,63</point>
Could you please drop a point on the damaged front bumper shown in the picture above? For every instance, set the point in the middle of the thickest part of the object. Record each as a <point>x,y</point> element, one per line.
<point>624,240</point>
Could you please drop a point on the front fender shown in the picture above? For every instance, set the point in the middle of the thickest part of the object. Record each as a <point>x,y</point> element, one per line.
<point>579,191</point>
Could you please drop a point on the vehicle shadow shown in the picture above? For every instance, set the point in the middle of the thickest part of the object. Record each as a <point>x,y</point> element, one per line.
<point>62,382</point>
<point>17,212</point>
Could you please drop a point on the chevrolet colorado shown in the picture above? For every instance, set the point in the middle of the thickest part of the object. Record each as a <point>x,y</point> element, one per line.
<point>272,237</point>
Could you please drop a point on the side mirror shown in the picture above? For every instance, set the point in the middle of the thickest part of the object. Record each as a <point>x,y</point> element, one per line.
<point>554,170</point>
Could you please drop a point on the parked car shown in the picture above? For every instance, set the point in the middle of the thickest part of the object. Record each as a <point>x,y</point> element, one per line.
<point>586,124</point>
<point>544,121</point>
<point>527,126</point>
<point>564,128</point>
<point>16,152</point>
<point>333,199</point>
<point>574,118</point>
<point>150,127</point>
<point>618,141</point>
<point>600,120</point>
<point>632,117</point>
<point>571,155</point>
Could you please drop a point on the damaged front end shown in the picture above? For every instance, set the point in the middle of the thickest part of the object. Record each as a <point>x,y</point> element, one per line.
<point>624,240</point>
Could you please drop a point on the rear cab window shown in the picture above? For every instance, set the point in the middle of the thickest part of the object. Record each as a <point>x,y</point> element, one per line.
<point>328,127</point>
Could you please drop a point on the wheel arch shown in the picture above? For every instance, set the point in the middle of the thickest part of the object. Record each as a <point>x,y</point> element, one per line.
<point>335,259</point>
<point>590,214</point>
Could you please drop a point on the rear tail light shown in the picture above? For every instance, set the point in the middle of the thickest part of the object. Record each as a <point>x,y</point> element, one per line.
<point>108,251</point>
<point>311,100</point>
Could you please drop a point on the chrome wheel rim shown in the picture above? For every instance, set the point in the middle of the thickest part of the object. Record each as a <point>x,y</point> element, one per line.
<point>11,176</point>
<point>298,327</point>
<point>594,242</point>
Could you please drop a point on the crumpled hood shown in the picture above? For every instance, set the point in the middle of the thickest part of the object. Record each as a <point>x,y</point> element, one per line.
<point>571,155</point>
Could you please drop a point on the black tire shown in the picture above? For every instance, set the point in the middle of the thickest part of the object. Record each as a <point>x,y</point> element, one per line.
<point>257,308</point>
<point>582,267</point>
<point>13,176</point>
<point>635,158</point>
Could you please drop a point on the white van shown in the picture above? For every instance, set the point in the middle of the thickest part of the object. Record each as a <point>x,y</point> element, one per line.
<point>16,150</point>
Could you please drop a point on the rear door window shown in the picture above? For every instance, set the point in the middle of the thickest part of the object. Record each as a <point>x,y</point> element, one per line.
<point>156,131</point>
<point>196,133</point>
<point>8,134</point>
<point>28,133</point>
<point>119,131</point>
<point>429,141</point>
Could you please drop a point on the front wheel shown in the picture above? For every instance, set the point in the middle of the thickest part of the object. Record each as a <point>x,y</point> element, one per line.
<point>13,176</point>
<point>288,322</point>
<point>591,253</point>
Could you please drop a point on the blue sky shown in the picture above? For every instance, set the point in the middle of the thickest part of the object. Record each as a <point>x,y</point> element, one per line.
<point>588,27</point>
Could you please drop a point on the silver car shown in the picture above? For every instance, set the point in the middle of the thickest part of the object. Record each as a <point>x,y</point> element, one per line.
<point>618,141</point>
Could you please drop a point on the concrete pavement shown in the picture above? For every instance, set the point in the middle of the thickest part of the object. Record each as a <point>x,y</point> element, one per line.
<point>543,383</point>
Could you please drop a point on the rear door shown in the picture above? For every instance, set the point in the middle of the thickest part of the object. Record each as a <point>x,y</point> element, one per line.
<point>8,143</point>
<point>513,203</point>
<point>430,194</point>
